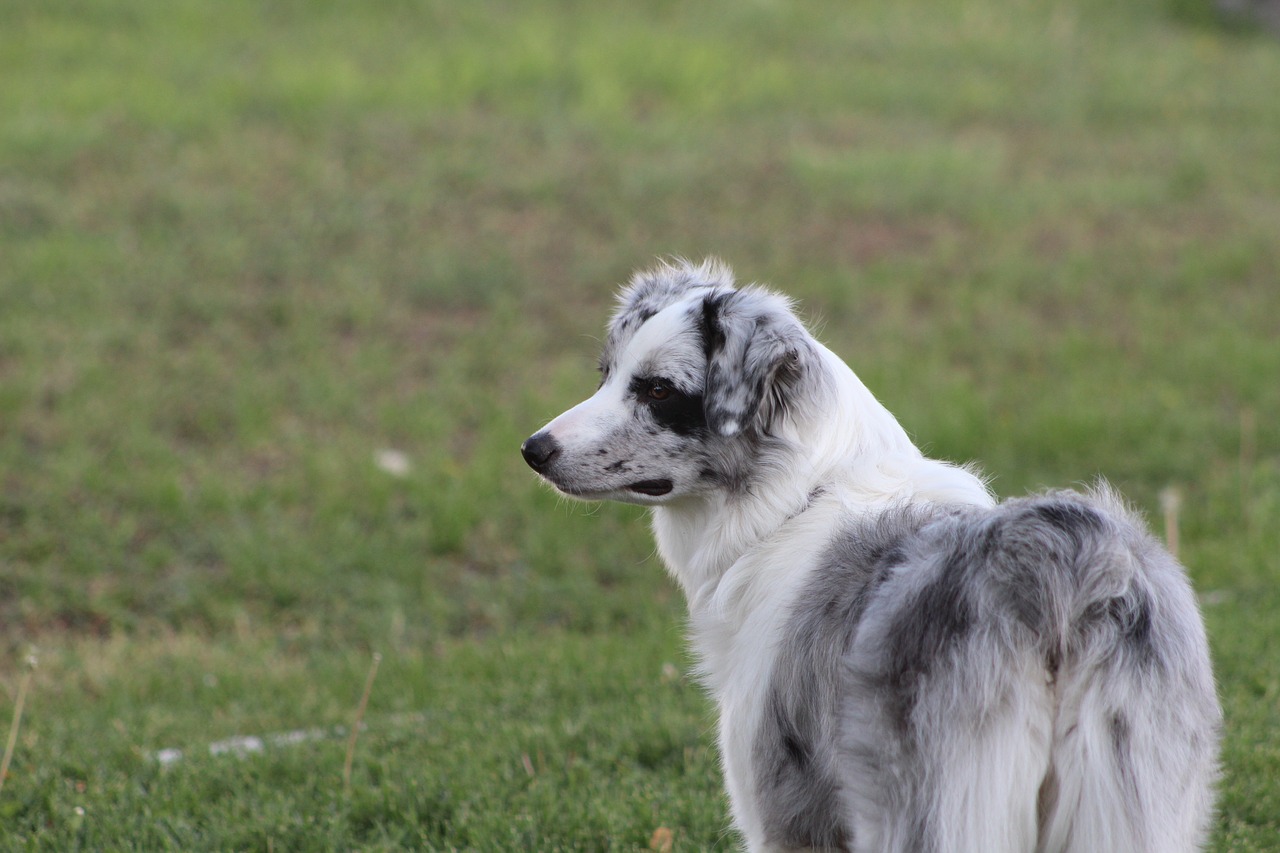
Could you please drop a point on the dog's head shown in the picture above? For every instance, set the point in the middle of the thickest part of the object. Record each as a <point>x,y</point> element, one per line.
<point>695,376</point>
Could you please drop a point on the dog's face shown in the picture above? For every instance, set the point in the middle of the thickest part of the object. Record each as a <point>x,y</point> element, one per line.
<point>693,374</point>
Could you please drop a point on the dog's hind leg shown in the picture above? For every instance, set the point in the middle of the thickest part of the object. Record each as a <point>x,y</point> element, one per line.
<point>981,773</point>
<point>954,760</point>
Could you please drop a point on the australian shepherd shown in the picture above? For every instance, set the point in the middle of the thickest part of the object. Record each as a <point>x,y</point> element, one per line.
<point>899,662</point>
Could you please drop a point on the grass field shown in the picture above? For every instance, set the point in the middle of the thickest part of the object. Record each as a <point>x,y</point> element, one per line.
<point>246,248</point>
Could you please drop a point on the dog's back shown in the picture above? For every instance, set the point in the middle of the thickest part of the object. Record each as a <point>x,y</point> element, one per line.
<point>1033,677</point>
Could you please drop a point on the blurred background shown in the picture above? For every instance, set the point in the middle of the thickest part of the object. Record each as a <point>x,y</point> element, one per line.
<point>284,285</point>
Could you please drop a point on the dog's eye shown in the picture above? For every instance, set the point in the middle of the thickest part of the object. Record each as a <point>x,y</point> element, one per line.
<point>658,391</point>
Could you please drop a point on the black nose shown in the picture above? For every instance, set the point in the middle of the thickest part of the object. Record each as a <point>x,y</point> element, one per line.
<point>538,450</point>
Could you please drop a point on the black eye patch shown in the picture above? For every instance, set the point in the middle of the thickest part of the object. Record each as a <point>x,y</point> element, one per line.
<point>672,408</point>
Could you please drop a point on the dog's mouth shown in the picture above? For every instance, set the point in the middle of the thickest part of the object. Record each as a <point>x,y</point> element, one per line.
<point>652,488</point>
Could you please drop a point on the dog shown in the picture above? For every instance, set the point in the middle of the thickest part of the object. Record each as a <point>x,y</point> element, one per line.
<point>899,662</point>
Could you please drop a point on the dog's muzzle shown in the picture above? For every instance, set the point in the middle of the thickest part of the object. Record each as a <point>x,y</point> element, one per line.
<point>539,450</point>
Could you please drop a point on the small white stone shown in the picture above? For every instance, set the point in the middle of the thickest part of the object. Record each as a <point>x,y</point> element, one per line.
<point>394,462</point>
<point>169,756</point>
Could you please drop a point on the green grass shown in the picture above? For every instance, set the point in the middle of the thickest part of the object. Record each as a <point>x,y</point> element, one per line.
<point>244,248</point>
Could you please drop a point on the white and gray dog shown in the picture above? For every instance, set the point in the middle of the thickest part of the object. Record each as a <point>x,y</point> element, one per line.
<point>899,663</point>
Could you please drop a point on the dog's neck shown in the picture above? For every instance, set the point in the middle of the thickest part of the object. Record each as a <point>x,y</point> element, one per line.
<point>852,451</point>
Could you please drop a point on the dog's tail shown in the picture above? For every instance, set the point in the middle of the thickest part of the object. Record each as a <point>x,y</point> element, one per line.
<point>1043,683</point>
<point>1136,718</point>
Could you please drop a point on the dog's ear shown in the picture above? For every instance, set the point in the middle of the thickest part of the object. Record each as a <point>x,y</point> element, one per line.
<point>756,354</point>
